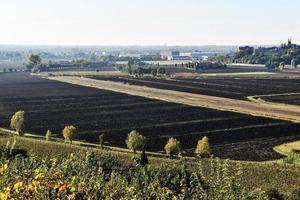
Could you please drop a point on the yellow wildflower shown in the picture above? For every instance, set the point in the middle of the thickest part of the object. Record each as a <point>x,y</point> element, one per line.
<point>3,168</point>
<point>39,176</point>
<point>17,186</point>
<point>74,178</point>
<point>73,189</point>
<point>5,195</point>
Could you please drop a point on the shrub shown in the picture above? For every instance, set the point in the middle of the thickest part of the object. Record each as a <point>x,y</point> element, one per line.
<point>144,158</point>
<point>17,121</point>
<point>172,147</point>
<point>48,135</point>
<point>203,147</point>
<point>101,140</point>
<point>69,133</point>
<point>135,141</point>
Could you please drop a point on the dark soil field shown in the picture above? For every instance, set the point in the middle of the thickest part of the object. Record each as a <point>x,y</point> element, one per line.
<point>287,99</point>
<point>53,105</point>
<point>235,88</point>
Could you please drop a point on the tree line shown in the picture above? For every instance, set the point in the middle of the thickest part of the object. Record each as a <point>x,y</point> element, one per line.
<point>135,141</point>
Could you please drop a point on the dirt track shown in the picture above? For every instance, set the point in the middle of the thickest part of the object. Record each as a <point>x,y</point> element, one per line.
<point>285,112</point>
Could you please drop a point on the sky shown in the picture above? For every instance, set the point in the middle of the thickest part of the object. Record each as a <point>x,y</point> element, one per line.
<point>149,22</point>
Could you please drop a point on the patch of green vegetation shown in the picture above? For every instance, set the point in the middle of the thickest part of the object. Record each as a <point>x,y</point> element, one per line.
<point>255,176</point>
<point>272,57</point>
<point>101,176</point>
<point>291,151</point>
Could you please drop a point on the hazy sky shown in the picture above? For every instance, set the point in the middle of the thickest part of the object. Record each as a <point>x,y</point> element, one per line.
<point>149,22</point>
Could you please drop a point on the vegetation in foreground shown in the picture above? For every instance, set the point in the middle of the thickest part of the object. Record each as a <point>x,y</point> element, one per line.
<point>291,151</point>
<point>82,176</point>
<point>50,170</point>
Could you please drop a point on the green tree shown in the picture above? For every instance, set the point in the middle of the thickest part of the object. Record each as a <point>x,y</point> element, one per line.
<point>135,141</point>
<point>203,147</point>
<point>48,135</point>
<point>17,122</point>
<point>172,147</point>
<point>69,133</point>
<point>33,61</point>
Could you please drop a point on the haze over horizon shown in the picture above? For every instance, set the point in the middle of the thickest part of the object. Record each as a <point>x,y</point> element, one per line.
<point>149,22</point>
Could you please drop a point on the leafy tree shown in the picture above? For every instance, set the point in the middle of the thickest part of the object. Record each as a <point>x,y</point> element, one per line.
<point>33,61</point>
<point>17,122</point>
<point>69,133</point>
<point>172,147</point>
<point>48,135</point>
<point>135,141</point>
<point>203,147</point>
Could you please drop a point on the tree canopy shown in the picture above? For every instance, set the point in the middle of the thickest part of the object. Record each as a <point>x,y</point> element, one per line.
<point>17,121</point>
<point>135,141</point>
<point>172,147</point>
<point>69,133</point>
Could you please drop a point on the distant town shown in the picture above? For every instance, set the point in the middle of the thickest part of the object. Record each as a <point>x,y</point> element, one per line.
<point>272,57</point>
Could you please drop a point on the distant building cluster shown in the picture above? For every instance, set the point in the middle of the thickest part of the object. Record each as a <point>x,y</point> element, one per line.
<point>268,50</point>
<point>172,55</point>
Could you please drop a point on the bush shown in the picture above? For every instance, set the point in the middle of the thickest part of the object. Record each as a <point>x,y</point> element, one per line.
<point>172,147</point>
<point>203,147</point>
<point>101,140</point>
<point>135,141</point>
<point>48,135</point>
<point>17,122</point>
<point>69,133</point>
